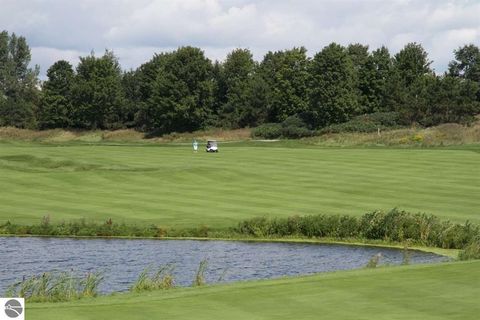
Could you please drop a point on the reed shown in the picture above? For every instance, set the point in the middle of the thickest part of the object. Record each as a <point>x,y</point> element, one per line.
<point>199,279</point>
<point>162,279</point>
<point>54,287</point>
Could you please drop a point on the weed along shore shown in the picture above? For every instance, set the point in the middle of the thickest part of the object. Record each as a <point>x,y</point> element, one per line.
<point>393,228</point>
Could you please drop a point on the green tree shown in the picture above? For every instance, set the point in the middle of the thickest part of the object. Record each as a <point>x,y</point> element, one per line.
<point>374,77</point>
<point>131,88</point>
<point>466,64</point>
<point>412,63</point>
<point>56,105</point>
<point>98,96</point>
<point>433,100</point>
<point>286,74</point>
<point>181,96</point>
<point>236,81</point>
<point>143,89</point>
<point>332,88</point>
<point>18,83</point>
<point>362,64</point>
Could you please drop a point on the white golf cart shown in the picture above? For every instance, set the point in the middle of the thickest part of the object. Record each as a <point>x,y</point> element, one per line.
<point>212,146</point>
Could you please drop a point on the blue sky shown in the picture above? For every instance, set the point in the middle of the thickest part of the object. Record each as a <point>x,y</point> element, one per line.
<point>136,29</point>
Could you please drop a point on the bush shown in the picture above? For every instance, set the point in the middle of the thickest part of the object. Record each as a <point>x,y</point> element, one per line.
<point>471,251</point>
<point>268,131</point>
<point>393,226</point>
<point>367,123</point>
<point>292,128</point>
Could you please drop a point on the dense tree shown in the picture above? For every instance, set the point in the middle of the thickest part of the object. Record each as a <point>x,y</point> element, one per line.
<point>286,74</point>
<point>98,96</point>
<point>412,63</point>
<point>18,83</point>
<point>181,96</point>
<point>241,89</point>
<point>333,97</point>
<point>56,106</point>
<point>359,56</point>
<point>467,63</point>
<point>131,87</point>
<point>183,91</point>
<point>374,78</point>
<point>433,100</point>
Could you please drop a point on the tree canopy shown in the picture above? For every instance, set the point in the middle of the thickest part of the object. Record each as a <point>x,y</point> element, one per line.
<point>183,90</point>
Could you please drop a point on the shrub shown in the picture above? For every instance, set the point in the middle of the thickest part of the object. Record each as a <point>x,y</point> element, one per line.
<point>268,131</point>
<point>292,128</point>
<point>367,123</point>
<point>394,226</point>
<point>471,251</point>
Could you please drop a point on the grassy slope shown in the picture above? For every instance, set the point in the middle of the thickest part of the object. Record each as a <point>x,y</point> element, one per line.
<point>169,185</point>
<point>446,291</point>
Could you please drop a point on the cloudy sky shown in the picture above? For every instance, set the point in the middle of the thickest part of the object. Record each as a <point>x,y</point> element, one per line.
<point>136,29</point>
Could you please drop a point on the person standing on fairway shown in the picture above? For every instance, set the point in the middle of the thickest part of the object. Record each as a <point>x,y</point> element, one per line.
<point>195,145</point>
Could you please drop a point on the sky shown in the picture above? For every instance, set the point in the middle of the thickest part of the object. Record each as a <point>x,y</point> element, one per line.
<point>136,29</point>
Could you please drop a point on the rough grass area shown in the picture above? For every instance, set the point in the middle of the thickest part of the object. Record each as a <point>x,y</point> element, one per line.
<point>126,135</point>
<point>443,291</point>
<point>443,135</point>
<point>170,186</point>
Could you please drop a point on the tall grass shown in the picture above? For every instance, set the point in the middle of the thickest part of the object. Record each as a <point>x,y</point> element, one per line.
<point>471,251</point>
<point>393,226</point>
<point>128,135</point>
<point>162,279</point>
<point>374,261</point>
<point>442,135</point>
<point>54,287</point>
<point>199,279</point>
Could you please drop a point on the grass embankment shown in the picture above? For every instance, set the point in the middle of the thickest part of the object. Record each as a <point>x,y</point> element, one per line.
<point>449,134</point>
<point>171,186</point>
<point>394,227</point>
<point>444,291</point>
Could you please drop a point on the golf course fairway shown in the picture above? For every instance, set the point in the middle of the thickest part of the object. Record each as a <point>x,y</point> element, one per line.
<point>169,185</point>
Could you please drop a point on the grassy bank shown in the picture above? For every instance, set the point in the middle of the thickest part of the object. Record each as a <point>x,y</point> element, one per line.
<point>444,291</point>
<point>392,227</point>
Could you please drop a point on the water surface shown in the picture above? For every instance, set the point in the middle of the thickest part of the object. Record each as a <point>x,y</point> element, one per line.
<point>122,261</point>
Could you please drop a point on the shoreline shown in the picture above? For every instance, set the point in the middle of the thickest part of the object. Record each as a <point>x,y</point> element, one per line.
<point>450,253</point>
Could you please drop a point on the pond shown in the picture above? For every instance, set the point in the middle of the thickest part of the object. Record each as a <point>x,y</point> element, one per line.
<point>121,261</point>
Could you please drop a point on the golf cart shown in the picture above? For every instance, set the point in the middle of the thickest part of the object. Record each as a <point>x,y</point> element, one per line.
<point>212,146</point>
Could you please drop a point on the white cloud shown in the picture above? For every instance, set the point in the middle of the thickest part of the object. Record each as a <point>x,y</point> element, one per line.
<point>135,29</point>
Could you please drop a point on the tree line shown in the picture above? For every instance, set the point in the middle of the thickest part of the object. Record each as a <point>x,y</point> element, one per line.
<point>183,90</point>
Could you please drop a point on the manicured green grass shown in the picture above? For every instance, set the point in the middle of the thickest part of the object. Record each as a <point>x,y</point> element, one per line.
<point>445,291</point>
<point>171,186</point>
